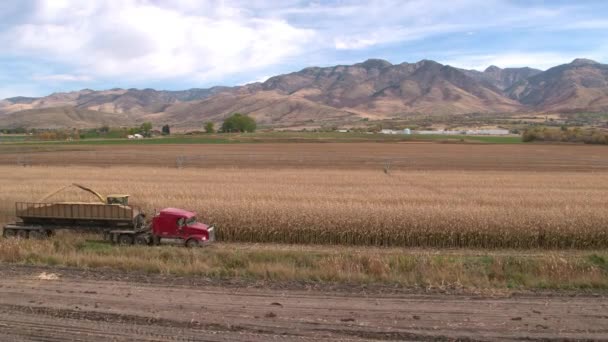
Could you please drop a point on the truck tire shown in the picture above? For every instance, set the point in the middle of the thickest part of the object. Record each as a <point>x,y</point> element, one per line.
<point>142,240</point>
<point>192,243</point>
<point>22,234</point>
<point>125,239</point>
<point>9,233</point>
<point>156,240</point>
<point>38,234</point>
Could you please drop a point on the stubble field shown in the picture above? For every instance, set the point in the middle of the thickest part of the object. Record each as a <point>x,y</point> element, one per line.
<point>328,156</point>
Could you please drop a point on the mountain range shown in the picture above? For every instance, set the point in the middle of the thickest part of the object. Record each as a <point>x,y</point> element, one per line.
<point>341,95</point>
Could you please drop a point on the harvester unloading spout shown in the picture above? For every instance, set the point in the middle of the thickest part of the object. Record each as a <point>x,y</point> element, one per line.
<point>101,198</point>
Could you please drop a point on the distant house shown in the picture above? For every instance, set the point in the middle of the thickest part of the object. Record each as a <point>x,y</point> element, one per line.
<point>390,131</point>
<point>138,136</point>
<point>130,136</point>
<point>342,131</point>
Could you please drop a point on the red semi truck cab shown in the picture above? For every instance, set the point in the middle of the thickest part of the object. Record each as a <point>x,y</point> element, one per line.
<point>173,223</point>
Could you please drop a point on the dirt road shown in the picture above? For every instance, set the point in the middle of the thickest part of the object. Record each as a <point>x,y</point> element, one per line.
<point>46,304</point>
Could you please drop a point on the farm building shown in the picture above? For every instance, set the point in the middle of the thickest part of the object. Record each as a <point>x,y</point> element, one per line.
<point>467,132</point>
<point>390,131</point>
<point>487,132</point>
<point>440,132</point>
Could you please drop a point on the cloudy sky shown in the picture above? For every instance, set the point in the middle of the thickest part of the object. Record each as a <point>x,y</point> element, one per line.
<point>63,45</point>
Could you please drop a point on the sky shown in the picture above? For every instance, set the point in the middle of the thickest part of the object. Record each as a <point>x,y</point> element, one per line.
<point>65,45</point>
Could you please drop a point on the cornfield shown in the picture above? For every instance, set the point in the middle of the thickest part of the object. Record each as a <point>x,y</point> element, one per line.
<point>448,209</point>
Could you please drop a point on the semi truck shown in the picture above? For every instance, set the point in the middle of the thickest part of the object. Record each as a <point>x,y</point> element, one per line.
<point>118,221</point>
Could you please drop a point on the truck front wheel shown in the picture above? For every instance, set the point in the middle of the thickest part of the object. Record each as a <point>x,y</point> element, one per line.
<point>142,240</point>
<point>125,239</point>
<point>22,233</point>
<point>191,243</point>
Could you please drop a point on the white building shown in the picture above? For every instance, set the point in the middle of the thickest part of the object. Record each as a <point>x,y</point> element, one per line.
<point>488,132</point>
<point>390,131</point>
<point>467,132</point>
<point>440,132</point>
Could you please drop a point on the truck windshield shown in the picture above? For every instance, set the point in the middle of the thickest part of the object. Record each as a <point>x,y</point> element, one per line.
<point>191,221</point>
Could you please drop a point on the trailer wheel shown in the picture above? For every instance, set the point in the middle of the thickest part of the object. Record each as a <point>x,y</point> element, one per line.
<point>125,239</point>
<point>192,243</point>
<point>142,240</point>
<point>38,234</point>
<point>9,233</point>
<point>22,233</point>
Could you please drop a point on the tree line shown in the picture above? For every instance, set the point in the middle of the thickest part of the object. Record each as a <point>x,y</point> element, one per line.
<point>235,123</point>
<point>565,134</point>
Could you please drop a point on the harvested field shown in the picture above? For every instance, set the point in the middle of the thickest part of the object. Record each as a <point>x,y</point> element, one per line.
<point>102,305</point>
<point>480,209</point>
<point>400,156</point>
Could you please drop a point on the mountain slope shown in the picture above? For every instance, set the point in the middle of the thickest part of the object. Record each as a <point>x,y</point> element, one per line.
<point>62,117</point>
<point>267,107</point>
<point>379,87</point>
<point>502,78</point>
<point>578,86</point>
<point>132,101</point>
<point>342,94</point>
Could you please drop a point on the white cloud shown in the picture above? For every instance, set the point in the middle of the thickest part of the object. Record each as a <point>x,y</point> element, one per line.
<point>260,79</point>
<point>539,60</point>
<point>141,40</point>
<point>390,35</point>
<point>62,78</point>
<point>594,24</point>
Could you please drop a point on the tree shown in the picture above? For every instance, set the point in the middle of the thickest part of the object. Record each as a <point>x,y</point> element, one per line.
<point>166,130</point>
<point>146,127</point>
<point>209,127</point>
<point>239,123</point>
<point>75,134</point>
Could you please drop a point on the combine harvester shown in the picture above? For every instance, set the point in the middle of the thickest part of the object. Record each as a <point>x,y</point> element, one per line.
<point>114,217</point>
